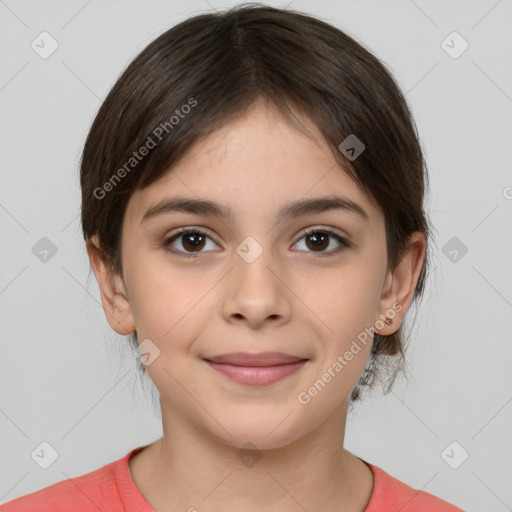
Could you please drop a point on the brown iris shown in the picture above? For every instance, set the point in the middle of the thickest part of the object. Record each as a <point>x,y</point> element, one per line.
<point>193,241</point>
<point>320,240</point>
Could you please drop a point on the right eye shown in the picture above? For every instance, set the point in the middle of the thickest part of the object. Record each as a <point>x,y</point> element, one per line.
<point>192,240</point>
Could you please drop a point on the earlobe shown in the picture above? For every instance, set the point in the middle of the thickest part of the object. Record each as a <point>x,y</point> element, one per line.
<point>400,285</point>
<point>113,295</point>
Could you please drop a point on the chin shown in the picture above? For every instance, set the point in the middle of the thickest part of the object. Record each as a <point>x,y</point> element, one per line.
<point>253,432</point>
<point>256,441</point>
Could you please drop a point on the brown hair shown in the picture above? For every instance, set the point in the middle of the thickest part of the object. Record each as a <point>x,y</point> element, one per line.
<point>207,71</point>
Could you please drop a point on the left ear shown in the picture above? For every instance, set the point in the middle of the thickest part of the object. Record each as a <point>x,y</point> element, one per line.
<point>400,283</point>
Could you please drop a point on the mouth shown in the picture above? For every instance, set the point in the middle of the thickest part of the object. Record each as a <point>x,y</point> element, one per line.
<point>260,369</point>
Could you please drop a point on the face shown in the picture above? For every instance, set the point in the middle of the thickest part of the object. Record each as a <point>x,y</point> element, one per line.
<point>254,282</point>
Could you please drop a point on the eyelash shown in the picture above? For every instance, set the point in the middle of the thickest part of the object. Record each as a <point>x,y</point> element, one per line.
<point>184,231</point>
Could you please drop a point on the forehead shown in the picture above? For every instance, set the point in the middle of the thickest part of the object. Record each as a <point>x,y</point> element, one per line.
<point>254,164</point>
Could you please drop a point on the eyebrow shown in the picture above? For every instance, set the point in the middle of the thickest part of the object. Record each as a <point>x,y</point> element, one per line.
<point>288,211</point>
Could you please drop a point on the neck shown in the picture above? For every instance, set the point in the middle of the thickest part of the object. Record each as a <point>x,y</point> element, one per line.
<point>189,470</point>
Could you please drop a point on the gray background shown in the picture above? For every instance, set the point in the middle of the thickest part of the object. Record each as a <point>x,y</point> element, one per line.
<point>66,378</point>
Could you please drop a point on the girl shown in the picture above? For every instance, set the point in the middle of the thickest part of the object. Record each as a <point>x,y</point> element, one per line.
<point>252,206</point>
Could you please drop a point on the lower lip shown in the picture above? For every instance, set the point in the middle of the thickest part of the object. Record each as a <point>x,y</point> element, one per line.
<point>257,375</point>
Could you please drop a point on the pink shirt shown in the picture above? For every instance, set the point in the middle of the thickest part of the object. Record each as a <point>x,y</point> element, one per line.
<point>111,489</point>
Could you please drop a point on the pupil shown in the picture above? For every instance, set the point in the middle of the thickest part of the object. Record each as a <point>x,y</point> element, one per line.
<point>319,240</point>
<point>196,238</point>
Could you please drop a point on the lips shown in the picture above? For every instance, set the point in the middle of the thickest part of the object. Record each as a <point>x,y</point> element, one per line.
<point>261,359</point>
<point>256,369</point>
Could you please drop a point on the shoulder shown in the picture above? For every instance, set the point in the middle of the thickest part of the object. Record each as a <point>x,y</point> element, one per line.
<point>90,492</point>
<point>391,494</point>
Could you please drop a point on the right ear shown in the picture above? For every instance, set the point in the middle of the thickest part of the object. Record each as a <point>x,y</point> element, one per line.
<point>113,295</point>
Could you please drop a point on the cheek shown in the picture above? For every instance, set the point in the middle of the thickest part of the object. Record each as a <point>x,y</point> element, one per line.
<point>347,307</point>
<point>347,301</point>
<point>168,303</point>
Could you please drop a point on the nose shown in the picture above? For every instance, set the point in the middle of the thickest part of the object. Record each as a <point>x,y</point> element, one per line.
<point>256,293</point>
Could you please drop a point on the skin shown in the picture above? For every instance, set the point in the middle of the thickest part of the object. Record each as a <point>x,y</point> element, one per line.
<point>289,299</point>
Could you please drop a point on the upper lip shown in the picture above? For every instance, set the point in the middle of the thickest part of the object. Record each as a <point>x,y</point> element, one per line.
<point>251,359</point>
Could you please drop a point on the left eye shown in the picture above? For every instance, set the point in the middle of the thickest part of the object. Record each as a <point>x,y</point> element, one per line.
<point>193,240</point>
<point>320,239</point>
